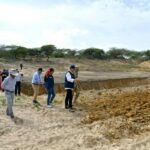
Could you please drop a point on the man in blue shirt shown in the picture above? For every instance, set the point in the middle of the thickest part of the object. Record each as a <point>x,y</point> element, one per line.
<point>36,82</point>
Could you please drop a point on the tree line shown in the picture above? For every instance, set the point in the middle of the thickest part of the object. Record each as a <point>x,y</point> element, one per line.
<point>48,51</point>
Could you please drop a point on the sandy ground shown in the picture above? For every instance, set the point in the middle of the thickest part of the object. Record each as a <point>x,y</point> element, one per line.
<point>115,119</point>
<point>100,122</point>
<point>89,69</point>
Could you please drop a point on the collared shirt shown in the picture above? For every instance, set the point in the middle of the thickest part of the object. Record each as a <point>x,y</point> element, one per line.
<point>18,77</point>
<point>36,79</point>
<point>9,84</point>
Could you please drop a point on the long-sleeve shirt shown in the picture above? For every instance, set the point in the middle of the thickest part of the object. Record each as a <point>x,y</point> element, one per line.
<point>19,78</point>
<point>9,84</point>
<point>49,82</point>
<point>36,79</point>
<point>69,80</point>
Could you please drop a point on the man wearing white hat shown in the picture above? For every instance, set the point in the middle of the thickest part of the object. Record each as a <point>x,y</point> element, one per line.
<point>8,85</point>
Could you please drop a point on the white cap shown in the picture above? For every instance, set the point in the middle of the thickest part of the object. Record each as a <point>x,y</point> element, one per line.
<point>13,72</point>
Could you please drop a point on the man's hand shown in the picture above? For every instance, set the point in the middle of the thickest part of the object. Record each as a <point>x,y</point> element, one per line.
<point>76,80</point>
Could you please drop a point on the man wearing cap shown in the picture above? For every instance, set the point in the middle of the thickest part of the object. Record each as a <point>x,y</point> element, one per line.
<point>69,86</point>
<point>8,85</point>
<point>36,82</point>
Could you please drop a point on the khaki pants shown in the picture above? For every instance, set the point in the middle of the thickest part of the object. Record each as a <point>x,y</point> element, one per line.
<point>35,90</point>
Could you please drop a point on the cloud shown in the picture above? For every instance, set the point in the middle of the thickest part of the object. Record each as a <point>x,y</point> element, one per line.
<point>76,24</point>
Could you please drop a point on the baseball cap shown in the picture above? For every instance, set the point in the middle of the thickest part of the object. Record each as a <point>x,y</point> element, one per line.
<point>72,66</point>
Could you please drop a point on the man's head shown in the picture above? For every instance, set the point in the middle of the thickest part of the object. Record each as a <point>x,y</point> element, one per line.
<point>72,67</point>
<point>40,70</point>
<point>13,73</point>
<point>77,68</point>
<point>51,70</point>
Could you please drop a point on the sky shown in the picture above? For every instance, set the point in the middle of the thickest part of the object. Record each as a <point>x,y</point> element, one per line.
<point>76,24</point>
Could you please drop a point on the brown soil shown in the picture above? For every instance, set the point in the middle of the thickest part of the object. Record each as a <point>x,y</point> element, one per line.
<point>130,105</point>
<point>145,64</point>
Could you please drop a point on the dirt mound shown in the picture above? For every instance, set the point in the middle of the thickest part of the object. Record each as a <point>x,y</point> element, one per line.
<point>124,112</point>
<point>145,64</point>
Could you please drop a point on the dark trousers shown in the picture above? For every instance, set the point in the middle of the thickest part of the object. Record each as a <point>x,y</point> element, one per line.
<point>68,99</point>
<point>18,88</point>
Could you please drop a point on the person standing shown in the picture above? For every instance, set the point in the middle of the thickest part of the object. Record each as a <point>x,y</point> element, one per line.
<point>76,86</point>
<point>18,84</point>
<point>21,66</point>
<point>36,82</point>
<point>4,74</point>
<point>8,85</point>
<point>0,80</point>
<point>49,84</point>
<point>69,86</point>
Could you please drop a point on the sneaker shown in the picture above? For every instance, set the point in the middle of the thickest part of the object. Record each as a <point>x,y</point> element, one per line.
<point>49,106</point>
<point>71,110</point>
<point>66,107</point>
<point>12,116</point>
<point>36,102</point>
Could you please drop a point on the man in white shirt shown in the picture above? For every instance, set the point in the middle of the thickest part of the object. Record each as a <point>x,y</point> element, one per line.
<point>69,86</point>
<point>18,84</point>
<point>8,85</point>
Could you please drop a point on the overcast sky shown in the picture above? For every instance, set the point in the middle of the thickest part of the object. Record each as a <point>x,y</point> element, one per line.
<point>76,24</point>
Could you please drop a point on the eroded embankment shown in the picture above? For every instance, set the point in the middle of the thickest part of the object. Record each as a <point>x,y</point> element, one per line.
<point>89,85</point>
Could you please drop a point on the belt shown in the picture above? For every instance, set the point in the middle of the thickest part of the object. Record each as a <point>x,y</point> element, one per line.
<point>35,83</point>
<point>9,91</point>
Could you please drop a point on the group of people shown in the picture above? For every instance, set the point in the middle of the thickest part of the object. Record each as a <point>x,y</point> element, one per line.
<point>11,85</point>
<point>5,73</point>
<point>70,84</point>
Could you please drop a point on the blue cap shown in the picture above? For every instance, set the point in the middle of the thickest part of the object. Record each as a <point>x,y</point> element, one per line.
<point>72,66</point>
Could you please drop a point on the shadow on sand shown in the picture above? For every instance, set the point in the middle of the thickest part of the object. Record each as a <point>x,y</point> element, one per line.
<point>18,121</point>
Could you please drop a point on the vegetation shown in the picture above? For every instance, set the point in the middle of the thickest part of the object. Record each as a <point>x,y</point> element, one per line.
<point>47,51</point>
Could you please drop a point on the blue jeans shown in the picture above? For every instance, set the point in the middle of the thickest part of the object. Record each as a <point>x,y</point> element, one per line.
<point>51,95</point>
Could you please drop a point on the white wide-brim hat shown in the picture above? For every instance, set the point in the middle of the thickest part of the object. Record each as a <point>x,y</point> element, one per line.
<point>13,72</point>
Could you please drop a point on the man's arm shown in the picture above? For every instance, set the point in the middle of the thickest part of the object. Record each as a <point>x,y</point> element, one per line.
<point>4,83</point>
<point>68,76</point>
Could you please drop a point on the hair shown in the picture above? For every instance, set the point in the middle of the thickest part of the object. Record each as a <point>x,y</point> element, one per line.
<point>40,69</point>
<point>51,69</point>
<point>48,72</point>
